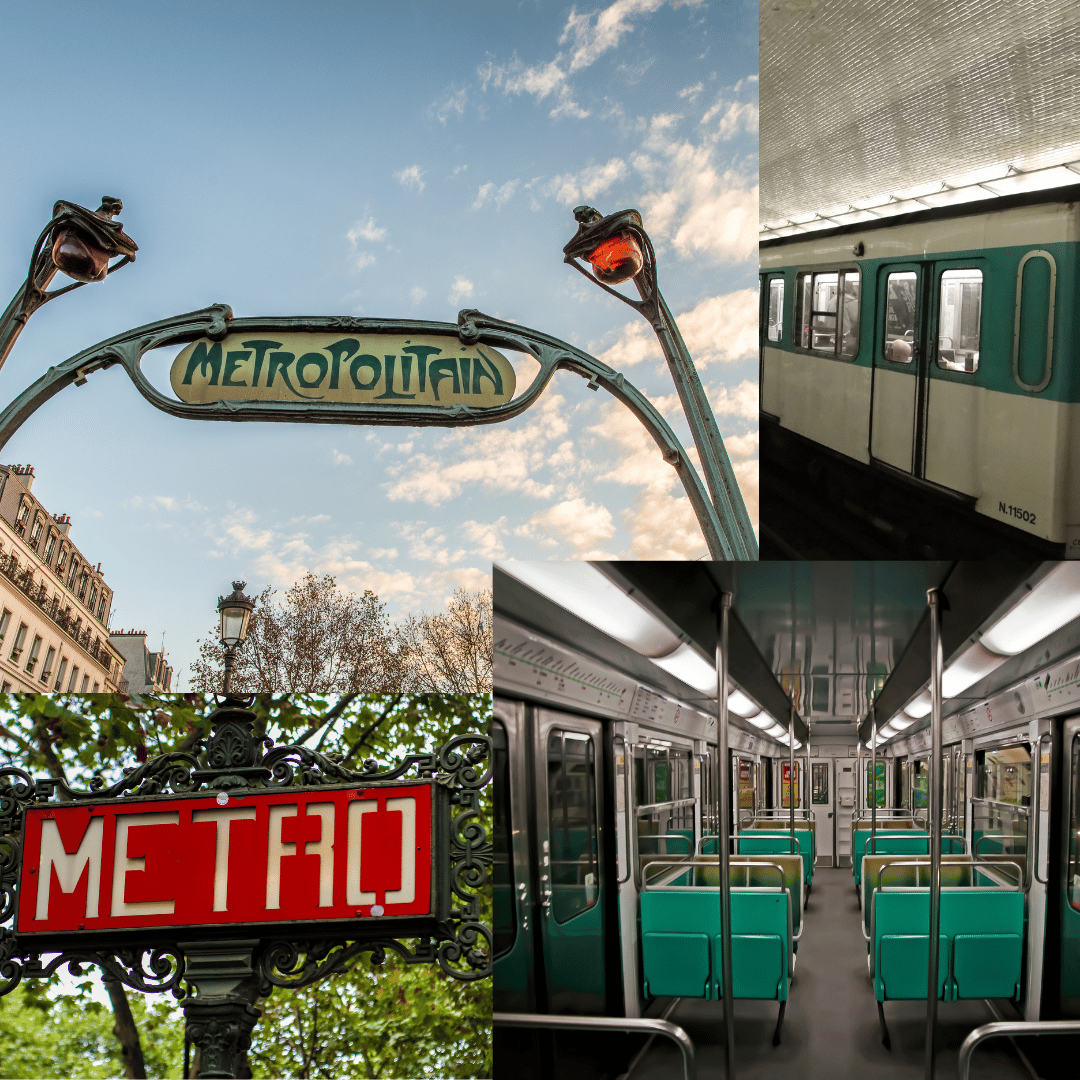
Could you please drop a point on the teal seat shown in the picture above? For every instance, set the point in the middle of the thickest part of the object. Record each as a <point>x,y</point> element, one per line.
<point>894,842</point>
<point>681,942</point>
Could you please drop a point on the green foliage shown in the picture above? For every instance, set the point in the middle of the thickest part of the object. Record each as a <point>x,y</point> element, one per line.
<point>395,1021</point>
<point>46,1032</point>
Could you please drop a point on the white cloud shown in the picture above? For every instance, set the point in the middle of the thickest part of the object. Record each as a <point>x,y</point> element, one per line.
<point>570,188</point>
<point>741,401</point>
<point>417,294</point>
<point>453,103</point>
<point>576,522</point>
<point>364,259</point>
<point>338,458</point>
<point>411,177</point>
<point>720,329</point>
<point>461,289</point>
<point>505,457</point>
<point>366,230</point>
<point>487,537</point>
<point>482,195</point>
<point>663,526</point>
<point>500,195</point>
<point>596,33</point>
<point>691,92</point>
<point>735,116</point>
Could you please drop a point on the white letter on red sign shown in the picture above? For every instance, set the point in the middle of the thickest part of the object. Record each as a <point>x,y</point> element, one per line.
<point>279,849</point>
<point>381,862</point>
<point>224,818</point>
<point>122,864</point>
<point>69,868</point>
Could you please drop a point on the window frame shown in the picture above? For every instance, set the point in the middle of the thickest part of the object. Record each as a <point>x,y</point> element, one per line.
<point>840,269</point>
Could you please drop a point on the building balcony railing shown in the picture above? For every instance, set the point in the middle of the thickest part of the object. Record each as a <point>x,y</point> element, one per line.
<point>23,579</point>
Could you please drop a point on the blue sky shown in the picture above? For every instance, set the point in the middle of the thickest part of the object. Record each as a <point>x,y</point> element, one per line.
<point>400,160</point>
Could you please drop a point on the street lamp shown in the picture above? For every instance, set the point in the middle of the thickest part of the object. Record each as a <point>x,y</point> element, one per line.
<point>80,243</point>
<point>235,611</point>
<point>618,249</point>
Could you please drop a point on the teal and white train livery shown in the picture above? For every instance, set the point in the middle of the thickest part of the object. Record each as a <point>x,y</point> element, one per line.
<point>939,346</point>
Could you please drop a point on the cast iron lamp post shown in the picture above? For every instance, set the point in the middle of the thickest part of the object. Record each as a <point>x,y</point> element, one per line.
<point>80,243</point>
<point>619,249</point>
<point>235,611</point>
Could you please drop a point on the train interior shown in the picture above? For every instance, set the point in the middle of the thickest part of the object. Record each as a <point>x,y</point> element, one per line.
<point>857,816</point>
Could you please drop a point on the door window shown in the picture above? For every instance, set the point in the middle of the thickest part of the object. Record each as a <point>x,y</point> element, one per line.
<point>775,329</point>
<point>959,319</point>
<point>900,316</point>
<point>571,770</point>
<point>827,314</point>
<point>1072,876</point>
<point>820,780</point>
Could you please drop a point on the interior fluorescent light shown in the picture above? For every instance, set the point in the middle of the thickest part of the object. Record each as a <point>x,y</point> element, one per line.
<point>685,664</point>
<point>741,705</point>
<point>1054,602</point>
<point>588,594</point>
<point>775,731</point>
<point>920,706</point>
<point>763,720</point>
<point>973,664</point>
<point>900,721</point>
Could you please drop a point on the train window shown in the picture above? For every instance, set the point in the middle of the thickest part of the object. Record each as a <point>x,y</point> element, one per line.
<point>820,782</point>
<point>900,316</point>
<point>827,312</point>
<point>1004,774</point>
<point>1033,332</point>
<point>504,921</point>
<point>785,784</point>
<point>775,329</point>
<point>959,318</point>
<point>879,787</point>
<point>920,782</point>
<point>1072,883</point>
<point>571,770</point>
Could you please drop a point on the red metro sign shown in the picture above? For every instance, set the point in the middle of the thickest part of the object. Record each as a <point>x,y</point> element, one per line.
<point>250,857</point>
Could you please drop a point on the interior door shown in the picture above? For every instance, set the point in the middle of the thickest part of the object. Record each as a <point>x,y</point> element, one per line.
<point>900,348</point>
<point>569,783</point>
<point>845,808</point>
<point>822,804</point>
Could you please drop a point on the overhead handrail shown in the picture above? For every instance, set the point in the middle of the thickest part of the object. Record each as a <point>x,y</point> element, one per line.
<point>655,808</point>
<point>1010,1028</point>
<point>777,812</point>
<point>607,1023</point>
<point>710,862</point>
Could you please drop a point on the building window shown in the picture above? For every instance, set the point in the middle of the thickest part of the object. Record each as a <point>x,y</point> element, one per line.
<point>5,687</point>
<point>60,561</point>
<point>827,312</point>
<point>93,598</point>
<point>5,622</point>
<point>97,687</point>
<point>20,641</point>
<point>46,670</point>
<point>50,546</point>
<point>35,649</point>
<point>74,678</point>
<point>35,534</point>
<point>71,575</point>
<point>103,607</point>
<point>59,684</point>
<point>85,684</point>
<point>82,585</point>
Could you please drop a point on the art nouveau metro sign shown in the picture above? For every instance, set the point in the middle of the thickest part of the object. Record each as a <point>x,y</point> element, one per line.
<point>358,855</point>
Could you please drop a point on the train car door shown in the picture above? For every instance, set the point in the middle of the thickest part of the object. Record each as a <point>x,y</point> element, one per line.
<point>569,782</point>
<point>822,803</point>
<point>1069,870</point>
<point>926,349</point>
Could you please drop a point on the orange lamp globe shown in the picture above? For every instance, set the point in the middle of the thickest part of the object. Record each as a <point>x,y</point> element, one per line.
<point>79,257</point>
<point>617,259</point>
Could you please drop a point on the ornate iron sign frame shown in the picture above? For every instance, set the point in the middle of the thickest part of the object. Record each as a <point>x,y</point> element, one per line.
<point>225,958</point>
<point>472,328</point>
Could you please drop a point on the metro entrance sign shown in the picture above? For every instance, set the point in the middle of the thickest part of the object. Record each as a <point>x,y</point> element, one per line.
<point>218,862</point>
<point>240,866</point>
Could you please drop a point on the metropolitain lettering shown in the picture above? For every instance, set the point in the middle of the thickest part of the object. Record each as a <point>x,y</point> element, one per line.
<point>373,368</point>
<point>314,855</point>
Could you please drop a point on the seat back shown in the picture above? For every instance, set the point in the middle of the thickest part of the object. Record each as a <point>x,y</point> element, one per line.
<point>779,840</point>
<point>901,876</point>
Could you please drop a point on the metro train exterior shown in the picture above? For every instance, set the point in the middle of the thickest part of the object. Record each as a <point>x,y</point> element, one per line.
<point>605,780</point>
<point>938,347</point>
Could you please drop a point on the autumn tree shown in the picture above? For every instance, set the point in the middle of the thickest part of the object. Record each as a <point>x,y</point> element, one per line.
<point>451,651</point>
<point>76,736</point>
<point>319,639</point>
<point>323,639</point>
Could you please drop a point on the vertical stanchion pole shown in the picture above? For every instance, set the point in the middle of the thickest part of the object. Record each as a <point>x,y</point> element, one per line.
<point>724,776</point>
<point>791,721</point>
<point>934,599</point>
<point>873,720</point>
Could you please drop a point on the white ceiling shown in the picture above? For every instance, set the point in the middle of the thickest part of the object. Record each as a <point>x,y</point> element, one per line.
<point>867,97</point>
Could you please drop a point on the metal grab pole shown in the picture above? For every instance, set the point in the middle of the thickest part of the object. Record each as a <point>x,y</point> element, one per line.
<point>873,779</point>
<point>791,720</point>
<point>724,775</point>
<point>934,600</point>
